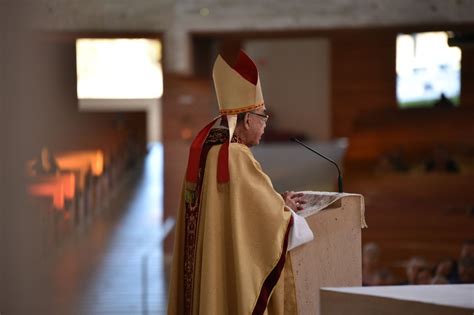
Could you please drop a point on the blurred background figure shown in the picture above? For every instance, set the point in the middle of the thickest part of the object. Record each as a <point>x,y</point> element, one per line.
<point>45,164</point>
<point>444,102</point>
<point>384,277</point>
<point>441,161</point>
<point>424,275</point>
<point>370,263</point>
<point>466,262</point>
<point>467,248</point>
<point>394,161</point>
<point>466,269</point>
<point>413,267</point>
<point>446,272</point>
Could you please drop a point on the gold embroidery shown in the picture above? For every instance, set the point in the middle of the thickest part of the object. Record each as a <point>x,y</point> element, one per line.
<point>233,111</point>
<point>192,199</point>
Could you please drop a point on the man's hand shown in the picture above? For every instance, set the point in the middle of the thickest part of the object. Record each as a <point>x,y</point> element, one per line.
<point>293,200</point>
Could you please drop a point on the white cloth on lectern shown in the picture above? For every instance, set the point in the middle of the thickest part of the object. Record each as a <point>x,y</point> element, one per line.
<point>300,232</point>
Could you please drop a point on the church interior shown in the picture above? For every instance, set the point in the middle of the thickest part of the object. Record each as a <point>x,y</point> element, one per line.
<point>91,180</point>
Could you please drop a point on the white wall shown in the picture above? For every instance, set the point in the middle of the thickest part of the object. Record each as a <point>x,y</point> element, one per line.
<point>294,74</point>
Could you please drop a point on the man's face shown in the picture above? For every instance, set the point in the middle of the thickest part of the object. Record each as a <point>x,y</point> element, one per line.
<point>257,121</point>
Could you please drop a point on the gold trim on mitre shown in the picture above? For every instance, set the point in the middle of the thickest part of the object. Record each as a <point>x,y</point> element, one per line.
<point>235,94</point>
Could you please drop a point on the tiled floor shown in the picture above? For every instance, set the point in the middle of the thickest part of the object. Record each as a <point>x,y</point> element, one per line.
<point>115,266</point>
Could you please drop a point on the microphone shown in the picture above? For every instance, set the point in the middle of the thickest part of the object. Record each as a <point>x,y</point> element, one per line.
<point>339,177</point>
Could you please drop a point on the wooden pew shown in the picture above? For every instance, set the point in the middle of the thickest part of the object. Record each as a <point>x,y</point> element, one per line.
<point>424,214</point>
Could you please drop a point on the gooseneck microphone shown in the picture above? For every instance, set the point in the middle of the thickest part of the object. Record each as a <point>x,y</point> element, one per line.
<point>339,176</point>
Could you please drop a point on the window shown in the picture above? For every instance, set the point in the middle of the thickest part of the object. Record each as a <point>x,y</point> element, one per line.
<point>427,70</point>
<point>119,68</point>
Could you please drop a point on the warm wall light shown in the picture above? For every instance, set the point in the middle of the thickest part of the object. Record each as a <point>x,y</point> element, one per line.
<point>186,133</point>
<point>69,183</point>
<point>77,160</point>
<point>58,187</point>
<point>83,162</point>
<point>98,163</point>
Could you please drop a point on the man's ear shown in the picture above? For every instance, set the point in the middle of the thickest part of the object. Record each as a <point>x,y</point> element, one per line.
<point>247,121</point>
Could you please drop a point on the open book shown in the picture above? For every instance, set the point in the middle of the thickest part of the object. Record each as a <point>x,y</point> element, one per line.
<point>319,200</point>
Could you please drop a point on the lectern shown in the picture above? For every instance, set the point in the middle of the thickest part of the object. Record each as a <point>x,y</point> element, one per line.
<point>333,258</point>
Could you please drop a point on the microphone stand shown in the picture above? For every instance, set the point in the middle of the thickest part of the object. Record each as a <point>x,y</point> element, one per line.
<point>339,176</point>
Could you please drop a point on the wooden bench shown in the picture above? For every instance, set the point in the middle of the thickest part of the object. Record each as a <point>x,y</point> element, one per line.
<point>417,214</point>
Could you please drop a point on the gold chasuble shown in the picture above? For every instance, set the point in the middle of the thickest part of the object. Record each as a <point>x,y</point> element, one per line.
<point>232,229</point>
<point>241,235</point>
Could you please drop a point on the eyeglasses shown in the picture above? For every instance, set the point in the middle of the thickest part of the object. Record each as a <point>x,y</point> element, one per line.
<point>264,116</point>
